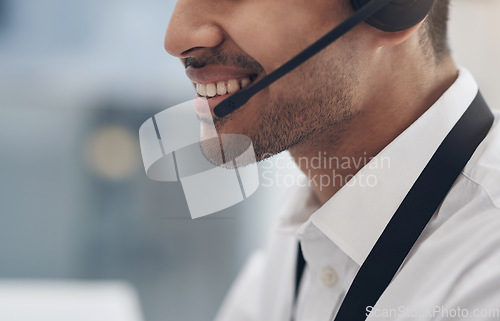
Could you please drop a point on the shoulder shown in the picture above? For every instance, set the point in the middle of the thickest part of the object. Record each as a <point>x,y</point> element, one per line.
<point>482,173</point>
<point>470,213</point>
<point>461,243</point>
<point>472,206</point>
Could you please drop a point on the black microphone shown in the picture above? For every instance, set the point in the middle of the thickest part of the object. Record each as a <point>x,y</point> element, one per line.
<point>240,98</point>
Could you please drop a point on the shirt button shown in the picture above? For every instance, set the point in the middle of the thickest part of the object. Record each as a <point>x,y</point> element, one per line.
<point>329,276</point>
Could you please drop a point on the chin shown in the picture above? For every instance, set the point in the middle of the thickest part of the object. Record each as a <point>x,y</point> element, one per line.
<point>227,150</point>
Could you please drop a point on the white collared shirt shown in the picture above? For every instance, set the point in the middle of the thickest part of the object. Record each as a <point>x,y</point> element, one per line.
<point>453,270</point>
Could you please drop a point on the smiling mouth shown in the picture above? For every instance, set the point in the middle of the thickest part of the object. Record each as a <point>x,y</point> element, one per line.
<point>221,88</point>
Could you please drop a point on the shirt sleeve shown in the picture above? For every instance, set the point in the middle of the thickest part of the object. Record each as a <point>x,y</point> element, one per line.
<point>243,299</point>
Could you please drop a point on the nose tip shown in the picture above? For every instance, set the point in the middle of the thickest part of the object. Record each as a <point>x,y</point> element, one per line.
<point>182,37</point>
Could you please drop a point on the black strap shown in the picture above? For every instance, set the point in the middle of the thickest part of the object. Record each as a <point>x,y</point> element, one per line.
<point>415,211</point>
<point>299,271</point>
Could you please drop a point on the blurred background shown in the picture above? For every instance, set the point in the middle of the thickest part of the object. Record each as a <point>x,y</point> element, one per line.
<point>77,79</point>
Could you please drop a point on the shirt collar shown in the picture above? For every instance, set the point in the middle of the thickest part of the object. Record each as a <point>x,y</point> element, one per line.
<point>357,214</point>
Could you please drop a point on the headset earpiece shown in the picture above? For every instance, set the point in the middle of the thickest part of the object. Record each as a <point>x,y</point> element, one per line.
<point>398,14</point>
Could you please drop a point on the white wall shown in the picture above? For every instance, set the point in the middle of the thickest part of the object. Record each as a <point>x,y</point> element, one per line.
<point>475,42</point>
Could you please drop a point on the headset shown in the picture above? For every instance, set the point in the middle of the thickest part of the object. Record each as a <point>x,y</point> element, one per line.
<point>386,15</point>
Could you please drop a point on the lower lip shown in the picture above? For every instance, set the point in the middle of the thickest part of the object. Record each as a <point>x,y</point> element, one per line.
<point>204,107</point>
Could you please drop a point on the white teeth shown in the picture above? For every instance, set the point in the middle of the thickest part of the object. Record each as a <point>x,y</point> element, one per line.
<point>211,90</point>
<point>222,88</point>
<point>233,86</point>
<point>245,82</point>
<point>201,89</point>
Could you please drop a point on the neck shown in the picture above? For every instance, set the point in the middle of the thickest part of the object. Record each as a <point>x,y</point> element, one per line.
<point>386,112</point>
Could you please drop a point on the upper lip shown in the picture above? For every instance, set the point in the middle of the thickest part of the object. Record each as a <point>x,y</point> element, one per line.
<point>214,74</point>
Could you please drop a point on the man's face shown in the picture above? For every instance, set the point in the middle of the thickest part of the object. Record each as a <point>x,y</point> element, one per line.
<point>225,44</point>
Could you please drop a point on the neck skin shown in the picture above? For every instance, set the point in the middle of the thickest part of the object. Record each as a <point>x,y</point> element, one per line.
<point>397,96</point>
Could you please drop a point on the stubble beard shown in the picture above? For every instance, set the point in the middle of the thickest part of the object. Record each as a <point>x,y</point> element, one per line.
<point>312,106</point>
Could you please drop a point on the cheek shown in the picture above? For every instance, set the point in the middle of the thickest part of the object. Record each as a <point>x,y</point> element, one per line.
<point>272,32</point>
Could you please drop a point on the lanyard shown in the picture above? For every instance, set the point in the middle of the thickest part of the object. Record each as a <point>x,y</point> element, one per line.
<point>414,213</point>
